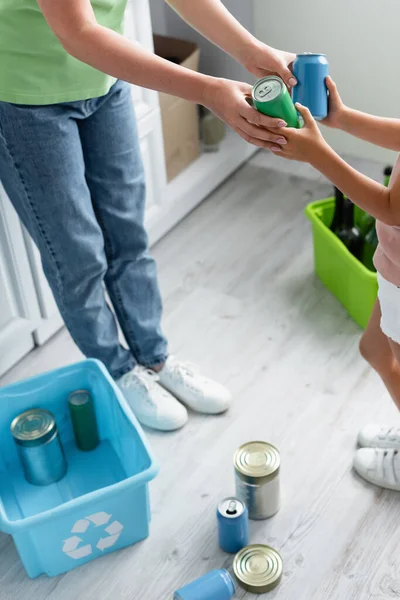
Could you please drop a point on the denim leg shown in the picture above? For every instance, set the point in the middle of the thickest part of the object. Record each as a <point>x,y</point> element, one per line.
<point>115,176</point>
<point>43,172</point>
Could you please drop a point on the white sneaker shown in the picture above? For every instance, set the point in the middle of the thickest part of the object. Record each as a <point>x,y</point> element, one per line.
<point>196,391</point>
<point>379,436</point>
<point>379,467</point>
<point>152,405</point>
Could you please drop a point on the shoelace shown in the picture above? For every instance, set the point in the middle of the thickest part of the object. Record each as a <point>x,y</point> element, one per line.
<point>389,468</point>
<point>393,433</point>
<point>182,368</point>
<point>144,378</point>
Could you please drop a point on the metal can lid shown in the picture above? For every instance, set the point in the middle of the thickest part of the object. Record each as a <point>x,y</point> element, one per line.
<point>257,462</point>
<point>33,427</point>
<point>310,54</point>
<point>79,397</point>
<point>231,508</point>
<point>258,568</point>
<point>268,89</point>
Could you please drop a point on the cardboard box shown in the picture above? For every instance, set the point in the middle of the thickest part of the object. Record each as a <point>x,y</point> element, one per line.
<point>180,120</point>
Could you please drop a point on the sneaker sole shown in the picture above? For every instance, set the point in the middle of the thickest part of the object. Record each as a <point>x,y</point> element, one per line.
<point>392,488</point>
<point>197,410</point>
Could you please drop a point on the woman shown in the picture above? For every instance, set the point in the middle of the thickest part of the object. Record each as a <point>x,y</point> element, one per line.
<point>70,164</point>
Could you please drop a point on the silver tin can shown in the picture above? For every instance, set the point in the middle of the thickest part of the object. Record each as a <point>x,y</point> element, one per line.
<point>257,467</point>
<point>42,457</point>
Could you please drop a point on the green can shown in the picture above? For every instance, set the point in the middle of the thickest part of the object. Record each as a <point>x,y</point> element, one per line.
<point>84,420</point>
<point>271,97</point>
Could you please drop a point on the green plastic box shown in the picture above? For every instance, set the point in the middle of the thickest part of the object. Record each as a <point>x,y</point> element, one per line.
<point>347,278</point>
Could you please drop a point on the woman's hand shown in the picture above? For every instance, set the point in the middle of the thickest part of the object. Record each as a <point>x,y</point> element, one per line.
<point>227,100</point>
<point>262,60</point>
<point>336,106</point>
<point>305,144</point>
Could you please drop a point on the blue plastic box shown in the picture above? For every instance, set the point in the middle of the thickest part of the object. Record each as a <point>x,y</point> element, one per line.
<point>102,504</point>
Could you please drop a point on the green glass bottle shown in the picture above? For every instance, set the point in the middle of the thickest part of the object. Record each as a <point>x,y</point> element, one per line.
<point>348,233</point>
<point>337,220</point>
<point>369,247</point>
<point>387,173</point>
<point>365,223</point>
<point>371,237</point>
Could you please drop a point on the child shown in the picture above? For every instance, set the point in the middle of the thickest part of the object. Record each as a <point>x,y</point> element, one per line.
<point>378,461</point>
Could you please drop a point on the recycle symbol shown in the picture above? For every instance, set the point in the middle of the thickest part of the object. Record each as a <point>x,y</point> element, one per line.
<point>75,547</point>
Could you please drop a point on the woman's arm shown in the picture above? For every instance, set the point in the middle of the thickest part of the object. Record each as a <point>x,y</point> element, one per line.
<point>215,22</point>
<point>75,25</point>
<point>376,130</point>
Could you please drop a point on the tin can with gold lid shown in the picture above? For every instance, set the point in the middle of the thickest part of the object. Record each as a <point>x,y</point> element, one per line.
<point>257,468</point>
<point>36,436</point>
<point>258,568</point>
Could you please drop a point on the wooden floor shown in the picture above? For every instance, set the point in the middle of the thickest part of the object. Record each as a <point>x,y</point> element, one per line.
<point>241,300</point>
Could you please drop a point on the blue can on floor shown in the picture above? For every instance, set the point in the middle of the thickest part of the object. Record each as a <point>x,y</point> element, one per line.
<point>311,71</point>
<point>216,585</point>
<point>233,525</point>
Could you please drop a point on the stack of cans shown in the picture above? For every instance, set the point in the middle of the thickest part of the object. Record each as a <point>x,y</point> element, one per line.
<point>257,568</point>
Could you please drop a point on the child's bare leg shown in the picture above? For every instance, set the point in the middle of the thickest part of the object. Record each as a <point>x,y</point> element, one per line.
<point>378,459</point>
<point>382,354</point>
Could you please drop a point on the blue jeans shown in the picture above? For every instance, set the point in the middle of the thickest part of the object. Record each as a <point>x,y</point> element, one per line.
<point>74,174</point>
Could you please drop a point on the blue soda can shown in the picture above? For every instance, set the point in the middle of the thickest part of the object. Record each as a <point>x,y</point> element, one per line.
<point>233,525</point>
<point>36,436</point>
<point>311,71</point>
<point>216,585</point>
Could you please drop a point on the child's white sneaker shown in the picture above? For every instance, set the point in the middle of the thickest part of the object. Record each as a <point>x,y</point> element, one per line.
<point>193,389</point>
<point>152,405</point>
<point>379,467</point>
<point>379,436</point>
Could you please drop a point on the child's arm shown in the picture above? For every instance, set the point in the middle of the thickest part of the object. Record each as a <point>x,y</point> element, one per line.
<point>376,130</point>
<point>308,145</point>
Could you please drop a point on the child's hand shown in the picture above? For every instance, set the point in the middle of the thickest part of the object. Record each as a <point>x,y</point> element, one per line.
<point>336,106</point>
<point>303,144</point>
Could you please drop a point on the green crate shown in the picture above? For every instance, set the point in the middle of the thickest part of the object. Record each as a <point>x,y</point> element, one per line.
<point>347,278</point>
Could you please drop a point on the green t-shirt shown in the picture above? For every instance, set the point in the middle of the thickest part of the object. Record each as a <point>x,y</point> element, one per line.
<point>35,68</point>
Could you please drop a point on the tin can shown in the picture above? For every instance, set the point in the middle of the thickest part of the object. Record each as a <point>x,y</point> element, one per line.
<point>233,525</point>
<point>42,457</point>
<point>271,97</point>
<point>83,415</point>
<point>258,568</point>
<point>257,467</point>
<point>311,71</point>
<point>216,585</point>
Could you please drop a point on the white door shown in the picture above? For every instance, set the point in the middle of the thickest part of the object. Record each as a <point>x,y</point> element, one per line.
<point>19,310</point>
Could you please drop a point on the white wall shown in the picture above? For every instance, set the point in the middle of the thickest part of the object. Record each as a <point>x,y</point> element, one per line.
<point>362,41</point>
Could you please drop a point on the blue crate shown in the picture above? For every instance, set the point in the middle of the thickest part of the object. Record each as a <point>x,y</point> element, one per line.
<point>102,504</point>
